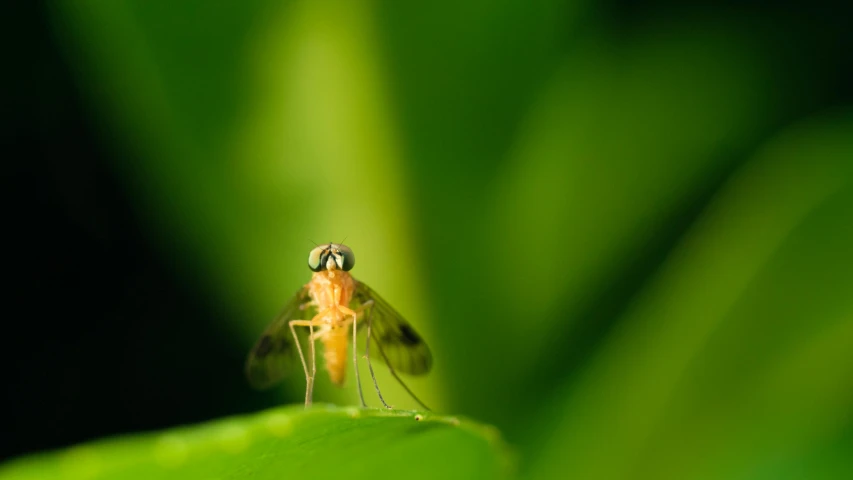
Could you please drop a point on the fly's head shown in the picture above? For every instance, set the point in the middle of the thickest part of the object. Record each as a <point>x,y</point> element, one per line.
<point>331,257</point>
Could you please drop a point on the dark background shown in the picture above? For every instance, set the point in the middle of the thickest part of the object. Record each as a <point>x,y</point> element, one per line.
<point>102,330</point>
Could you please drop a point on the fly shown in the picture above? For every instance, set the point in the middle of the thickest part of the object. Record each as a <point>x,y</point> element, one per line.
<point>334,306</point>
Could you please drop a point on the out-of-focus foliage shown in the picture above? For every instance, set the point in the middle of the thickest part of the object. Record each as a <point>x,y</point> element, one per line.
<point>626,247</point>
<point>736,357</point>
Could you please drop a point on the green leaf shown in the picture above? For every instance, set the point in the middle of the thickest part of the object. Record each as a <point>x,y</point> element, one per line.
<point>287,442</point>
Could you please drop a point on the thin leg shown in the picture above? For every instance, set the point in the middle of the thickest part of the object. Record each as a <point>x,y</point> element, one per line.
<point>309,388</point>
<point>367,354</point>
<point>355,355</point>
<point>400,380</point>
<point>387,362</point>
<point>309,377</point>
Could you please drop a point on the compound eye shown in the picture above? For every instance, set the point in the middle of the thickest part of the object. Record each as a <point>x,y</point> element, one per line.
<point>348,258</point>
<point>316,259</point>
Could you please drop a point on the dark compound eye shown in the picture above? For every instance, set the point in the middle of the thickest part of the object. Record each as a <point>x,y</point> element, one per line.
<point>316,259</point>
<point>347,258</point>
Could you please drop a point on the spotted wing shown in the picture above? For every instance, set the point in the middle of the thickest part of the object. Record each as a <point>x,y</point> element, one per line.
<point>274,355</point>
<point>393,339</point>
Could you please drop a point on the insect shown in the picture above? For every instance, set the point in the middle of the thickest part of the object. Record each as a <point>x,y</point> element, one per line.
<point>334,306</point>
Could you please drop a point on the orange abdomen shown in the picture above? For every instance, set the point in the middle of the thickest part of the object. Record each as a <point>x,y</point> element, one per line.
<point>335,351</point>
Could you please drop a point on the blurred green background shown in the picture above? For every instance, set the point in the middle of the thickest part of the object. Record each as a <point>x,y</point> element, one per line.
<point>625,230</point>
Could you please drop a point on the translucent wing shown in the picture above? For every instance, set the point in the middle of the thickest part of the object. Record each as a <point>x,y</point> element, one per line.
<point>274,354</point>
<point>401,345</point>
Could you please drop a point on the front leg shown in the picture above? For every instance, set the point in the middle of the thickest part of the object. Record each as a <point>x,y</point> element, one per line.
<point>309,377</point>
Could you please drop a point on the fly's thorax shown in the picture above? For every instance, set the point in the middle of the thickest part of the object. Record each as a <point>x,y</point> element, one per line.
<point>331,288</point>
